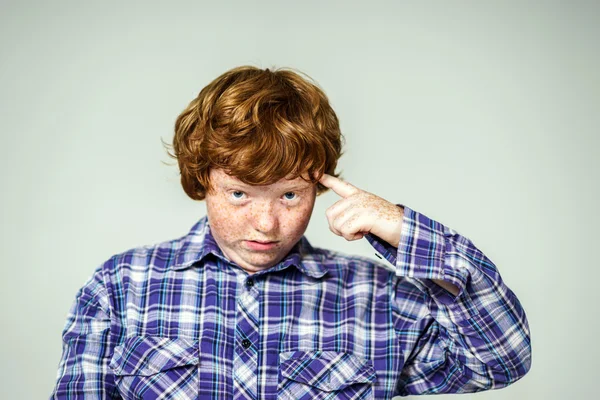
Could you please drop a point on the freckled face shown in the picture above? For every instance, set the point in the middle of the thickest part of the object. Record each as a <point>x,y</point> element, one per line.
<point>240,215</point>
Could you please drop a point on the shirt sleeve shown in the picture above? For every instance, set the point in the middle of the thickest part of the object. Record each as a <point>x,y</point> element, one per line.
<point>474,341</point>
<point>83,371</point>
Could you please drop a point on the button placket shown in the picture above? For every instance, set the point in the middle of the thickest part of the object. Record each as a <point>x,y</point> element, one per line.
<point>247,336</point>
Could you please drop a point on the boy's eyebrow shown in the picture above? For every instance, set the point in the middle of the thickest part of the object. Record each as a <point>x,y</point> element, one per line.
<point>229,184</point>
<point>297,186</point>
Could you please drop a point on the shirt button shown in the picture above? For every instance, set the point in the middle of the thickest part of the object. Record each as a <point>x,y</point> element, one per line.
<point>246,343</point>
<point>250,282</point>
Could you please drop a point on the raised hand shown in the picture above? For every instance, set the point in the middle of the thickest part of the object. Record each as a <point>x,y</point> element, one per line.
<point>359,212</point>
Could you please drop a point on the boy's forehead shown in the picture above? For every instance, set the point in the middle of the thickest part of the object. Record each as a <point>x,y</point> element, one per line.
<point>223,178</point>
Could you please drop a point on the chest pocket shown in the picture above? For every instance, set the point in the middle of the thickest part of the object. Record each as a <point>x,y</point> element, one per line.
<point>148,367</point>
<point>325,375</point>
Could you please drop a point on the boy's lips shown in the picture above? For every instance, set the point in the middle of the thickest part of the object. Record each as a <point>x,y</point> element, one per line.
<point>260,245</point>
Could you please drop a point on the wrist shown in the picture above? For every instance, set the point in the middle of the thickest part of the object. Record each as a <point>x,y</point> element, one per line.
<point>396,230</point>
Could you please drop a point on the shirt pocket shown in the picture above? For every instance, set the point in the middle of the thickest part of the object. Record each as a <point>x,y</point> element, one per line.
<point>147,367</point>
<point>325,375</point>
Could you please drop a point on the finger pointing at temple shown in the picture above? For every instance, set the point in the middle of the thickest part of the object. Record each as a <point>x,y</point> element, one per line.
<point>342,188</point>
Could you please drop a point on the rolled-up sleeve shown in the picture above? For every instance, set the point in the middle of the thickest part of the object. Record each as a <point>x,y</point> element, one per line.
<point>474,341</point>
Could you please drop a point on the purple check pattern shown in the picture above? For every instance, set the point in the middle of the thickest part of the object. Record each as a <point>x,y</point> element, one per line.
<point>178,320</point>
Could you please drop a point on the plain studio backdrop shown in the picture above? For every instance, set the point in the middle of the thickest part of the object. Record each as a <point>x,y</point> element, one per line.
<point>482,115</point>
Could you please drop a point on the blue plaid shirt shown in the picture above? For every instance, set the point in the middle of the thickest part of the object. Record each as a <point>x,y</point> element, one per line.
<point>177,320</point>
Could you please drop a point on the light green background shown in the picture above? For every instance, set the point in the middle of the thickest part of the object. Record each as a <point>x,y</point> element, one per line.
<point>482,115</point>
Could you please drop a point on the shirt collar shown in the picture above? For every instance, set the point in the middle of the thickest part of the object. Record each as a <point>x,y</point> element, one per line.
<point>199,242</point>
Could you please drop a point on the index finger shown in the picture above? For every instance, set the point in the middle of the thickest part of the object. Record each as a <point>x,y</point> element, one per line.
<point>342,188</point>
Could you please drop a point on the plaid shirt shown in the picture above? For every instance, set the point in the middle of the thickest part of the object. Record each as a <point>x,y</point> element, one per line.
<point>177,320</point>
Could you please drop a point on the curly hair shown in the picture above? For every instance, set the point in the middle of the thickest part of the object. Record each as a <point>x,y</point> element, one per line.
<point>259,126</point>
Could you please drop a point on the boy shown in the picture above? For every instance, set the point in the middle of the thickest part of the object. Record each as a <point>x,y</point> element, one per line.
<point>244,307</point>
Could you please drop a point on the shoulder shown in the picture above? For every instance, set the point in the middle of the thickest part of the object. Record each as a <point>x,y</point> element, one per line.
<point>137,262</point>
<point>161,256</point>
<point>356,267</point>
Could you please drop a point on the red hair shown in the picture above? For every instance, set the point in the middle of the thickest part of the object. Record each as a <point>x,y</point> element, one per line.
<point>259,126</point>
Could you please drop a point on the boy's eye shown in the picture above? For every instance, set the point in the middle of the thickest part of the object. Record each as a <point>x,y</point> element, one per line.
<point>237,194</point>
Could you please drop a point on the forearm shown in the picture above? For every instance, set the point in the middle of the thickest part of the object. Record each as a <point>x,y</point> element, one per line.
<point>486,325</point>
